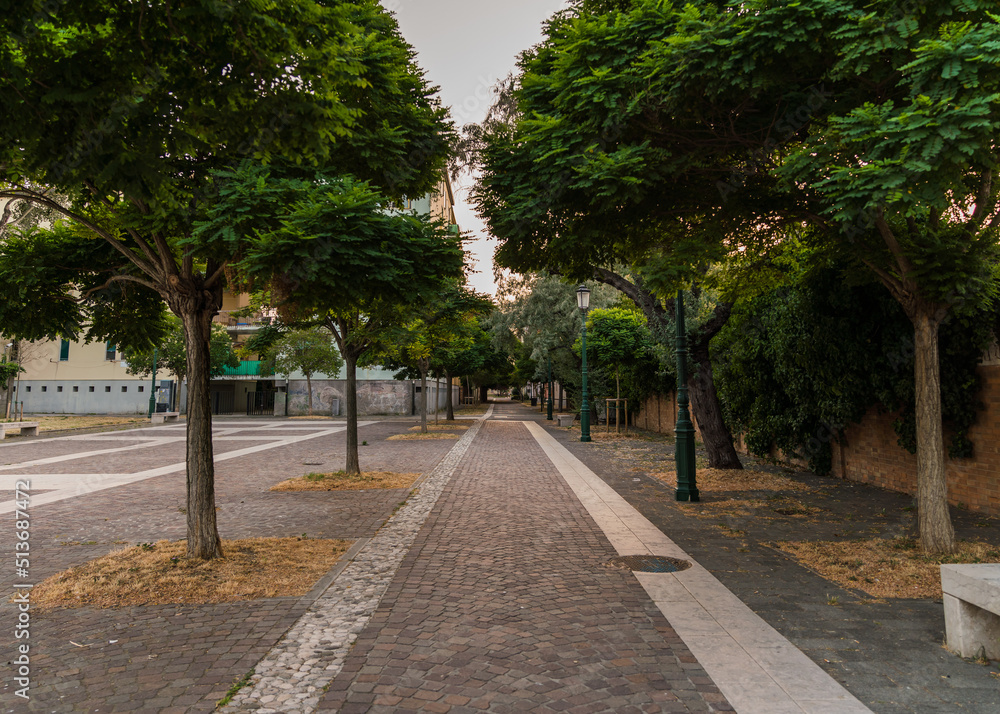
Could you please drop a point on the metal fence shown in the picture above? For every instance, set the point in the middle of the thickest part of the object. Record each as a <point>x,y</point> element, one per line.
<point>260,403</point>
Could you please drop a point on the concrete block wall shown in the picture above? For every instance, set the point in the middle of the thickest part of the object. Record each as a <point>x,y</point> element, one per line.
<point>112,396</point>
<point>375,397</point>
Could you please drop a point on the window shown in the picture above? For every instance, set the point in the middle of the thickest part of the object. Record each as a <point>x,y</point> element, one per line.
<point>109,352</point>
<point>90,388</point>
<point>64,351</point>
<point>58,389</point>
<point>107,388</point>
<point>27,389</point>
<point>124,389</point>
<point>141,389</point>
<point>45,389</point>
<point>76,389</point>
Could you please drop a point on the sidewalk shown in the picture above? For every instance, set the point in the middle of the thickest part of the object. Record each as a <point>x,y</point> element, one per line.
<point>505,602</point>
<point>488,589</point>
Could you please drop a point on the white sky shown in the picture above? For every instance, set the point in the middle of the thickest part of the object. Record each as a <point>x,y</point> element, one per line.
<point>466,46</point>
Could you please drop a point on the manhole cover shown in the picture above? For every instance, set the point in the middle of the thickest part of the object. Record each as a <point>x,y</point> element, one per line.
<point>649,563</point>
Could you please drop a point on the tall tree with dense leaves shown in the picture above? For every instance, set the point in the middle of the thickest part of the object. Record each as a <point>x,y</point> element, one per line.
<point>331,252</point>
<point>129,110</point>
<point>873,122</point>
<point>557,204</point>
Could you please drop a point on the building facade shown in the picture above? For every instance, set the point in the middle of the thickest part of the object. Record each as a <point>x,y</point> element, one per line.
<point>71,377</point>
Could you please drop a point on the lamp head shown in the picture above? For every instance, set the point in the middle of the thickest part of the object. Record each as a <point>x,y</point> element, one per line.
<point>583,297</point>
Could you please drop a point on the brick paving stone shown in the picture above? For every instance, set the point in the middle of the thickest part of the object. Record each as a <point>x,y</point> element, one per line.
<point>505,602</point>
<point>180,657</point>
<point>888,654</point>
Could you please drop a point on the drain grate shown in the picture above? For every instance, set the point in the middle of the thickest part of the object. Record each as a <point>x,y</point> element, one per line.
<point>649,563</point>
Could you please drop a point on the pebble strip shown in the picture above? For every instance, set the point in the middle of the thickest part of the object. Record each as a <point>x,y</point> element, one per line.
<point>291,677</point>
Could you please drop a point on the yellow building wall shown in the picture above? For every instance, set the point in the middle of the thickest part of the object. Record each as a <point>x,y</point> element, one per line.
<point>86,362</point>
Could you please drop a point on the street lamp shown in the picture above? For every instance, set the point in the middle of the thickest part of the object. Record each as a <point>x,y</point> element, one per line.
<point>548,360</point>
<point>687,489</point>
<point>152,387</point>
<point>583,302</point>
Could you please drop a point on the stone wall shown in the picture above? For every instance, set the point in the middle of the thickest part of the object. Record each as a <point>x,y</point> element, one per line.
<point>378,397</point>
<point>869,452</point>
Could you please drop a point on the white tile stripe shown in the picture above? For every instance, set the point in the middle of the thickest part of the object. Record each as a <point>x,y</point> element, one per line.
<point>291,678</point>
<point>758,670</point>
<point>98,482</point>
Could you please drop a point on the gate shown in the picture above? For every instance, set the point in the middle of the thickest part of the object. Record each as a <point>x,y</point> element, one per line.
<point>260,403</point>
<point>223,402</point>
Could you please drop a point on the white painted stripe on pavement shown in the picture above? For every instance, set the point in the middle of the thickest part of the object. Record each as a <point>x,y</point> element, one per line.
<point>90,483</point>
<point>754,666</point>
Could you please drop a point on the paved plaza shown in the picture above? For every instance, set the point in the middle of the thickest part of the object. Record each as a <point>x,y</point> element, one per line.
<point>486,588</point>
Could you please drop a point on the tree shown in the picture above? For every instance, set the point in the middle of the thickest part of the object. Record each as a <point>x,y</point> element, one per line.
<point>133,126</point>
<point>331,252</point>
<point>171,353</point>
<point>309,352</point>
<point>619,339</point>
<point>538,322</point>
<point>580,194</point>
<point>433,331</point>
<point>875,124</point>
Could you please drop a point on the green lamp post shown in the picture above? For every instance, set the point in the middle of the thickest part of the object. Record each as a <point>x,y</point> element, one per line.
<point>152,387</point>
<point>583,302</point>
<point>687,488</point>
<point>548,415</point>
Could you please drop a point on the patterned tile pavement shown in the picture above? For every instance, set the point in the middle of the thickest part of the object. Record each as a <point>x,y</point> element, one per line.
<point>178,658</point>
<point>505,604</point>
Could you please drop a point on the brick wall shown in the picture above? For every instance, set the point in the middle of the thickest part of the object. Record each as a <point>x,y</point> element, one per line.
<point>869,451</point>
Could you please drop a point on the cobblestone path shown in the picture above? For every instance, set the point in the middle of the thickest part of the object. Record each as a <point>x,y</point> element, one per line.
<point>504,604</point>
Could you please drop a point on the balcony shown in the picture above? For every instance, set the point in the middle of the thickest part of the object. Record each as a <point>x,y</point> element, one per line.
<point>246,368</point>
<point>238,323</point>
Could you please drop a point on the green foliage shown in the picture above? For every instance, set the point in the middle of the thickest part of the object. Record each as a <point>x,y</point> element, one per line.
<point>621,347</point>
<point>798,364</point>
<point>53,283</point>
<point>538,322</point>
<point>9,370</point>
<point>308,351</point>
<point>171,353</point>
<point>326,241</point>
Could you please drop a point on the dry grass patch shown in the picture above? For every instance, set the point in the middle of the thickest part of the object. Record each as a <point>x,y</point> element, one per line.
<point>54,423</point>
<point>343,481</point>
<point>885,568</point>
<point>448,426</point>
<point>723,480</point>
<point>421,437</point>
<point>160,574</point>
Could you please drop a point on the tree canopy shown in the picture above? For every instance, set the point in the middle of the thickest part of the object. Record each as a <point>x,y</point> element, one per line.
<point>129,112</point>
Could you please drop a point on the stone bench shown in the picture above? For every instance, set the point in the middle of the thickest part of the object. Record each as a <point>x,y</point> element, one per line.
<point>161,417</point>
<point>27,428</point>
<point>565,419</point>
<point>972,608</point>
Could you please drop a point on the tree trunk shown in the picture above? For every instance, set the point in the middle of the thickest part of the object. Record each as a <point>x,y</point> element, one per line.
<point>937,535</point>
<point>450,413</point>
<point>483,395</point>
<point>423,393</point>
<point>202,532</point>
<point>715,434</point>
<point>309,392</point>
<point>437,398</point>
<point>351,406</point>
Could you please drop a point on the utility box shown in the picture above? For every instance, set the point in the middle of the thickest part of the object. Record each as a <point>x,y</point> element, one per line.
<point>335,407</point>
